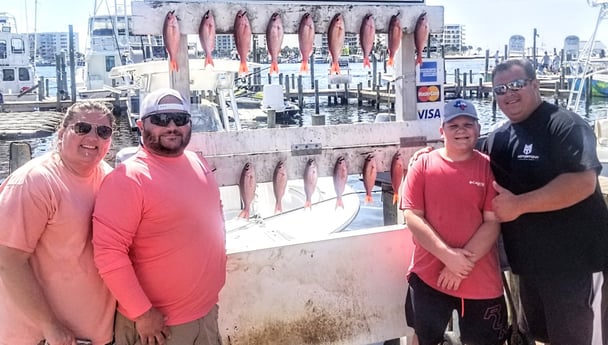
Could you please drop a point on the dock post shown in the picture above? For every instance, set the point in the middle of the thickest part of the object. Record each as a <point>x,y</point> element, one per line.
<point>388,95</point>
<point>556,96</point>
<point>471,76</point>
<point>344,99</point>
<point>287,91</point>
<point>480,88</point>
<point>359,97</point>
<point>271,119</point>
<point>46,88</point>
<point>19,154</point>
<point>300,94</point>
<point>41,89</point>
<point>369,79</point>
<point>316,97</point>
<point>71,51</point>
<point>269,79</point>
<point>312,72</point>
<point>493,108</point>
<point>487,65</point>
<point>464,86</point>
<point>378,97</point>
<point>329,96</point>
<point>281,79</point>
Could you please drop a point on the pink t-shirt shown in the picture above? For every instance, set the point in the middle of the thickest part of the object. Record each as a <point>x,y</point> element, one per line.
<point>46,210</point>
<point>453,196</point>
<point>159,237</point>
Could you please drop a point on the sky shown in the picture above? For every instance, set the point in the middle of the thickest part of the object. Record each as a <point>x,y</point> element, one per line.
<point>488,23</point>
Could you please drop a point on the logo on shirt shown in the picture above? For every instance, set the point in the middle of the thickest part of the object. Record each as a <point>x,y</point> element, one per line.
<point>477,183</point>
<point>527,154</point>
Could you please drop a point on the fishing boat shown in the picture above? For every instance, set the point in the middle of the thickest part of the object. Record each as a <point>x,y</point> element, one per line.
<point>18,79</point>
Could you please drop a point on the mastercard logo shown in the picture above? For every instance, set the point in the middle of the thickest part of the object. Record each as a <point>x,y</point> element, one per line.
<point>428,93</point>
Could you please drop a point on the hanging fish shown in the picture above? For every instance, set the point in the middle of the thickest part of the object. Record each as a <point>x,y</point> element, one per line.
<point>242,39</point>
<point>421,36</point>
<point>306,38</point>
<point>396,175</point>
<point>171,38</point>
<point>247,189</point>
<point>369,177</point>
<point>394,37</point>
<point>340,177</point>
<point>274,40</point>
<point>206,35</point>
<point>279,184</point>
<point>310,181</point>
<point>367,33</point>
<point>335,41</point>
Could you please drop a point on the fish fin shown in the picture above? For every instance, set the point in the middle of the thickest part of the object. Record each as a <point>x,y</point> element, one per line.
<point>274,67</point>
<point>419,59</point>
<point>395,198</point>
<point>304,66</point>
<point>369,199</point>
<point>278,208</point>
<point>209,61</point>
<point>173,65</point>
<point>366,62</point>
<point>243,68</point>
<point>339,203</point>
<point>335,68</point>
<point>244,214</point>
<point>390,61</point>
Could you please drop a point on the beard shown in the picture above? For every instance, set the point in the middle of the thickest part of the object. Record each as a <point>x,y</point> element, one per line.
<point>171,148</point>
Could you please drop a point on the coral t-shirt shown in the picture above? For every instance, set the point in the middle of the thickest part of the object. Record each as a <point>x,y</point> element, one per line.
<point>453,196</point>
<point>159,236</point>
<point>46,210</point>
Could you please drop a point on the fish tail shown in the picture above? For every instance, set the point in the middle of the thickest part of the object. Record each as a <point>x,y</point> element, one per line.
<point>419,59</point>
<point>244,214</point>
<point>395,198</point>
<point>278,208</point>
<point>366,62</point>
<point>173,65</point>
<point>209,61</point>
<point>369,199</point>
<point>274,67</point>
<point>307,204</point>
<point>335,68</point>
<point>304,66</point>
<point>339,203</point>
<point>243,68</point>
<point>390,61</point>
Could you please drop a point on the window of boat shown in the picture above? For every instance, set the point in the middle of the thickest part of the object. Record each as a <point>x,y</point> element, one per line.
<point>110,62</point>
<point>17,46</point>
<point>2,49</point>
<point>24,74</point>
<point>8,74</point>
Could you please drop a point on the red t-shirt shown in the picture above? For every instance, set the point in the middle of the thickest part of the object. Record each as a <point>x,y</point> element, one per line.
<point>453,196</point>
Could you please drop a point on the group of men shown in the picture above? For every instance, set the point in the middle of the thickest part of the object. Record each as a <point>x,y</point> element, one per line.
<point>91,254</point>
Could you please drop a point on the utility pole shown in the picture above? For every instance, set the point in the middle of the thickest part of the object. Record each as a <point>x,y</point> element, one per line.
<point>534,49</point>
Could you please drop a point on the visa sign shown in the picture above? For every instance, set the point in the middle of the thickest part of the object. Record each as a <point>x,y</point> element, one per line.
<point>429,113</point>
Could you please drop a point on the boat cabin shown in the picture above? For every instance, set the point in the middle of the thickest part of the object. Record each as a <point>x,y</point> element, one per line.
<point>16,71</point>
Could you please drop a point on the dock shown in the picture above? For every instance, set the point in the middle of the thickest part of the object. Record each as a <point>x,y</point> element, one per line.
<point>29,124</point>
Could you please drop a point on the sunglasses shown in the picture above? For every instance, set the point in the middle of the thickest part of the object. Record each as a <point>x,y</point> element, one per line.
<point>515,85</point>
<point>83,128</point>
<point>163,119</point>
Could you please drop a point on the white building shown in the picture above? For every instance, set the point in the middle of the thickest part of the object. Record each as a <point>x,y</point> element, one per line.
<point>453,37</point>
<point>48,44</point>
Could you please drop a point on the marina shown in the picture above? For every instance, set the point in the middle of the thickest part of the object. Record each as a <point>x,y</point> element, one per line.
<point>305,276</point>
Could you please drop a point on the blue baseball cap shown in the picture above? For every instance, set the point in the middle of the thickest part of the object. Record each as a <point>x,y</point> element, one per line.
<point>458,107</point>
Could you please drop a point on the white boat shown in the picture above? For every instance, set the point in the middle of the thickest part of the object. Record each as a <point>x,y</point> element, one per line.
<point>18,80</point>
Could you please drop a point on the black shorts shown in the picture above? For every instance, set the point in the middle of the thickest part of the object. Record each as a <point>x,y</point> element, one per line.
<point>565,308</point>
<point>428,312</point>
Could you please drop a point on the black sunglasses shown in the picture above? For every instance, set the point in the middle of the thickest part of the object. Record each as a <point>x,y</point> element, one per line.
<point>83,128</point>
<point>163,119</point>
<point>515,85</point>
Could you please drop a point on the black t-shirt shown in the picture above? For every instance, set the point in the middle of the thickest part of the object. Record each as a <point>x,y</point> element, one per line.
<point>526,156</point>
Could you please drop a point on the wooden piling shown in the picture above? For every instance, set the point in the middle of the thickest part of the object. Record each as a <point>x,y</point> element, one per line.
<point>316,96</point>
<point>344,99</point>
<point>300,96</point>
<point>19,154</point>
<point>271,118</point>
<point>359,97</point>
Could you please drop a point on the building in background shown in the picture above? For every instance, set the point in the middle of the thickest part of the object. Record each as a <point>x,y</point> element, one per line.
<point>453,38</point>
<point>48,45</point>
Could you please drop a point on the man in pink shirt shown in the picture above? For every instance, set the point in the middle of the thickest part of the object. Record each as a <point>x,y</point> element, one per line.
<point>49,286</point>
<point>447,201</point>
<point>158,234</point>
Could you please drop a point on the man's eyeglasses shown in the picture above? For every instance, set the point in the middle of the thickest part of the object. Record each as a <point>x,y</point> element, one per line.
<point>83,128</point>
<point>163,119</point>
<point>515,85</point>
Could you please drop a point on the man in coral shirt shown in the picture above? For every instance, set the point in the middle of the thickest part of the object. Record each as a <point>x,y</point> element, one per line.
<point>158,234</point>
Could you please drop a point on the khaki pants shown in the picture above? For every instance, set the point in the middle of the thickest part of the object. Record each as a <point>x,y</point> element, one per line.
<point>203,331</point>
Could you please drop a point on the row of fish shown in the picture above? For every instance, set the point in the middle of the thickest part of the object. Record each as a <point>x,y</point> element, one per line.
<point>306,32</point>
<point>247,181</point>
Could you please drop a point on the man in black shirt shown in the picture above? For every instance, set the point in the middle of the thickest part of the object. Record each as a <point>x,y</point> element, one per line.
<point>554,219</point>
